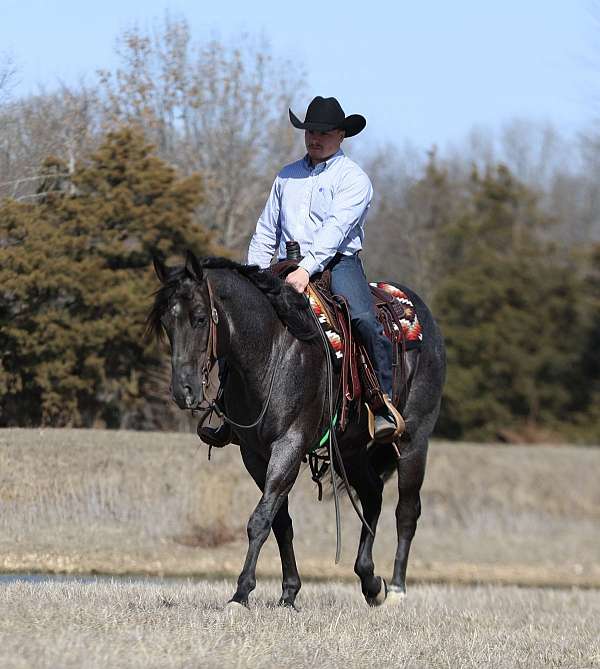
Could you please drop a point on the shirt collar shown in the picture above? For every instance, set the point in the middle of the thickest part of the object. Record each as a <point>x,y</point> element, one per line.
<point>322,166</point>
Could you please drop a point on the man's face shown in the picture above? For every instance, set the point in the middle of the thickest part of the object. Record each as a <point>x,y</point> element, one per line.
<point>322,145</point>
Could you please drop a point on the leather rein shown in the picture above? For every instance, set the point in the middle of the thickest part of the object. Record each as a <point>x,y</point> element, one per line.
<point>210,359</point>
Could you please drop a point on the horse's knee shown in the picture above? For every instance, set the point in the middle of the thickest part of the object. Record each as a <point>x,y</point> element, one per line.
<point>258,526</point>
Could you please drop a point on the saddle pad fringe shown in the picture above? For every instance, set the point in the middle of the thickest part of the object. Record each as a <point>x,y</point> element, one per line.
<point>322,313</point>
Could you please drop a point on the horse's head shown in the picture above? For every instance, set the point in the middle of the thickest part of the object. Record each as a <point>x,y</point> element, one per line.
<point>182,311</point>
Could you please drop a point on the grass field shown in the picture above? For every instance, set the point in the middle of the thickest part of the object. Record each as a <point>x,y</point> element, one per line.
<point>144,625</point>
<point>124,502</point>
<point>75,501</point>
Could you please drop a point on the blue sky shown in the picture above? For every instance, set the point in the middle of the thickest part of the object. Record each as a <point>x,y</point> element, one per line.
<point>425,72</point>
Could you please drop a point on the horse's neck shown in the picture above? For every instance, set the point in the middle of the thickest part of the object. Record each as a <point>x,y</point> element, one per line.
<point>253,330</point>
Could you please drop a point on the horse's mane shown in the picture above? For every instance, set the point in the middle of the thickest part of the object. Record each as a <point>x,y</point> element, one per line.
<point>292,308</point>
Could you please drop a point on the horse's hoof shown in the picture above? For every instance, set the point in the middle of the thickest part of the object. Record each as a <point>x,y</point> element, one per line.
<point>395,596</point>
<point>380,597</point>
<point>288,605</point>
<point>235,610</point>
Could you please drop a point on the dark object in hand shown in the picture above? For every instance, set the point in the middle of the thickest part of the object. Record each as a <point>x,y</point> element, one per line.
<point>292,250</point>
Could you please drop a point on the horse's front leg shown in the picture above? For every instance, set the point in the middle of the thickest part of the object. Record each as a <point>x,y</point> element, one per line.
<point>282,528</point>
<point>281,474</point>
<point>284,533</point>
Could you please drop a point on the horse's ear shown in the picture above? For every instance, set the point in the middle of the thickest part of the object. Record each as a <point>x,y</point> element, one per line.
<point>192,266</point>
<point>160,268</point>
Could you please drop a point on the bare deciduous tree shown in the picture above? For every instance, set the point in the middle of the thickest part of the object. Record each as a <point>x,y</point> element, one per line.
<point>210,108</point>
<point>8,73</point>
<point>62,123</point>
<point>413,200</point>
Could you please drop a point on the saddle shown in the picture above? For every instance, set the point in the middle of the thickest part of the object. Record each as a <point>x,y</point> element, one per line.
<point>358,381</point>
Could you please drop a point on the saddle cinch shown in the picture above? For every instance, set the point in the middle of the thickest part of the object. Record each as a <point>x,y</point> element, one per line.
<point>358,381</point>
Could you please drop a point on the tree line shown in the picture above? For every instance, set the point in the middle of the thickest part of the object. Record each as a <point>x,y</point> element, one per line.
<point>177,147</point>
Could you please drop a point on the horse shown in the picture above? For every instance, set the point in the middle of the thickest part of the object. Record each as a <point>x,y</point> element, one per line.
<point>276,385</point>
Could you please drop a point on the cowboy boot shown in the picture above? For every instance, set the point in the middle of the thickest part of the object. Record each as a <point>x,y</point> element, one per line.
<point>216,436</point>
<point>385,426</point>
<point>387,422</point>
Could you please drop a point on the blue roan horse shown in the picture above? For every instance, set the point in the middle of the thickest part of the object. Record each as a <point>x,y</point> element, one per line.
<point>266,333</point>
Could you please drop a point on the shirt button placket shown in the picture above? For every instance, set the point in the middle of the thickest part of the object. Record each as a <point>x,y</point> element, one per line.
<point>306,201</point>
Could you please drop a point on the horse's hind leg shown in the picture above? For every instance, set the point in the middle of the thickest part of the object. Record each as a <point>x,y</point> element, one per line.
<point>280,475</point>
<point>411,470</point>
<point>369,488</point>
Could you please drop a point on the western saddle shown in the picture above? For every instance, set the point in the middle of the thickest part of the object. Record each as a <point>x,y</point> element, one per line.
<point>358,381</point>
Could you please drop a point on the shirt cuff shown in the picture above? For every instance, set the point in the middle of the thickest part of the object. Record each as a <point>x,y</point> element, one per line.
<point>310,264</point>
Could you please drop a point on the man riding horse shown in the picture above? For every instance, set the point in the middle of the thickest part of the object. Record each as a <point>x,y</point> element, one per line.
<point>321,201</point>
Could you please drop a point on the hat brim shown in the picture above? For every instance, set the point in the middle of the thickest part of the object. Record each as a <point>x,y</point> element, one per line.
<point>351,125</point>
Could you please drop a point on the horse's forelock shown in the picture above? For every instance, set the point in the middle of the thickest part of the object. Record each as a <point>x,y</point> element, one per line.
<point>162,297</point>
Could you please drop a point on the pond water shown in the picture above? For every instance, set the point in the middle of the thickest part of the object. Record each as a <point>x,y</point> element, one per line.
<point>95,578</point>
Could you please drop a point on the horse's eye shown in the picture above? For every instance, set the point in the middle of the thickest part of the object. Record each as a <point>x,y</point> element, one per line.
<point>197,320</point>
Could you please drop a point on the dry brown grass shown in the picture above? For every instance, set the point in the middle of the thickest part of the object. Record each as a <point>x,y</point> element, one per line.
<point>115,502</point>
<point>167,625</point>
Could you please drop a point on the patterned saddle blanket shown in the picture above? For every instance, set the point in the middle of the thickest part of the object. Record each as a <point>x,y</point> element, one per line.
<point>389,301</point>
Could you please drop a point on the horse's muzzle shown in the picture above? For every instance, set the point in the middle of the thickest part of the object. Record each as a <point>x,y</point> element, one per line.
<point>188,397</point>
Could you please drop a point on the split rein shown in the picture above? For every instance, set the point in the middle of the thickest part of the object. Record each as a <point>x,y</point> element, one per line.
<point>210,359</point>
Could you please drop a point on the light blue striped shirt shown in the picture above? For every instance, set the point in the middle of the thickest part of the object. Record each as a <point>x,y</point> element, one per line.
<point>322,207</point>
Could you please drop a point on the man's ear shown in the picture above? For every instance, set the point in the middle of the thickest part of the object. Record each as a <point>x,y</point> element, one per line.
<point>160,268</point>
<point>192,266</point>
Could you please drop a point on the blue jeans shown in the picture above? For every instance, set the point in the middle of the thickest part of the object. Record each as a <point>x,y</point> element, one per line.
<point>348,279</point>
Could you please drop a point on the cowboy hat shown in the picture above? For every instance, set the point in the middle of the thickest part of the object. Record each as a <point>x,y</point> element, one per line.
<point>324,114</point>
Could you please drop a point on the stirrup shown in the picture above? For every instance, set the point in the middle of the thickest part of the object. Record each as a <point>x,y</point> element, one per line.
<point>396,418</point>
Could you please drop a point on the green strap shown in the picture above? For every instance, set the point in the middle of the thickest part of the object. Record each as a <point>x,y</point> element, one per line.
<point>325,437</point>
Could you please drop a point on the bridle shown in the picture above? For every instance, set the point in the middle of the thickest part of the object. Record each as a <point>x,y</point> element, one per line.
<point>210,357</point>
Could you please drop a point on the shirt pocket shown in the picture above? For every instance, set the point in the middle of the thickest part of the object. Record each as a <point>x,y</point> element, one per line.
<point>321,202</point>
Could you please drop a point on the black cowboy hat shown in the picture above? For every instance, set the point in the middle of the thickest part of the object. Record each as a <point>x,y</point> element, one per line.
<point>324,114</point>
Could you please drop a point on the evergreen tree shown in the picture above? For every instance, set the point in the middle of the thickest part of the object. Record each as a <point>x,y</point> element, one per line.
<point>587,388</point>
<point>75,285</point>
<point>509,312</point>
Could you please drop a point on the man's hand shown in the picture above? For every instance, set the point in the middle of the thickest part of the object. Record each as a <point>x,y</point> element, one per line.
<point>298,279</point>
